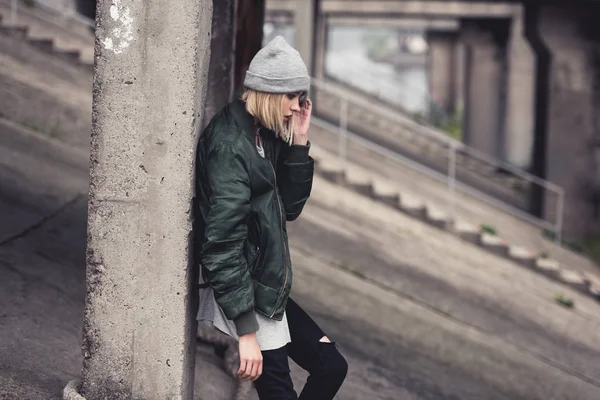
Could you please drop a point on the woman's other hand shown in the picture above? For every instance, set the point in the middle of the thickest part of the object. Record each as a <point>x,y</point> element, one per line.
<point>251,360</point>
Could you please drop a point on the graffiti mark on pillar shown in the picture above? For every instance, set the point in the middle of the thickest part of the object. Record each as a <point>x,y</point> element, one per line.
<point>121,35</point>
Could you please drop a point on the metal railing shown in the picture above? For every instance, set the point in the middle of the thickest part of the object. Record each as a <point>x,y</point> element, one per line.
<point>350,74</point>
<point>453,147</point>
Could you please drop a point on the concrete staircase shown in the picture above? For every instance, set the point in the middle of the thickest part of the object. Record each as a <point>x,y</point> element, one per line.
<point>48,34</point>
<point>371,184</point>
<point>403,135</point>
<point>46,75</point>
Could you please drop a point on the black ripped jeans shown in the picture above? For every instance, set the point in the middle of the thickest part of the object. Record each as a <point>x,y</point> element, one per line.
<point>326,366</point>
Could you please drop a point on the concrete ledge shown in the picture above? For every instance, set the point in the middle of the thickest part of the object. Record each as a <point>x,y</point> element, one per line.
<point>594,291</point>
<point>43,44</point>
<point>71,391</point>
<point>494,244</point>
<point>386,194</point>
<point>17,31</point>
<point>333,174</point>
<point>574,279</point>
<point>547,267</point>
<point>466,231</point>
<point>522,256</point>
<point>69,55</point>
<point>361,182</point>
<point>435,217</point>
<point>411,206</point>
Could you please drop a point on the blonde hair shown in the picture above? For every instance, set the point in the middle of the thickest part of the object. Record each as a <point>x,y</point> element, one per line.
<point>266,108</point>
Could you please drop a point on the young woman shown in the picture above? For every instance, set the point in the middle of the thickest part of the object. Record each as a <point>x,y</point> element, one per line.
<point>253,175</point>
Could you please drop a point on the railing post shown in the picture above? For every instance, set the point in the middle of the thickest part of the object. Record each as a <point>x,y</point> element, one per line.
<point>559,218</point>
<point>343,129</point>
<point>451,182</point>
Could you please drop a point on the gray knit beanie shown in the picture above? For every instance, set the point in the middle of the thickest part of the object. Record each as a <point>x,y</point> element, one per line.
<point>277,68</point>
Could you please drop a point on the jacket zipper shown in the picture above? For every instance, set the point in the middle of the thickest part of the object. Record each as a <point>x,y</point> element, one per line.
<point>284,247</point>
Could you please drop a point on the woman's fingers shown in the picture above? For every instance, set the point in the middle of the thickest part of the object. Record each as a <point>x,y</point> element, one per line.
<point>243,366</point>
<point>254,372</point>
<point>260,369</point>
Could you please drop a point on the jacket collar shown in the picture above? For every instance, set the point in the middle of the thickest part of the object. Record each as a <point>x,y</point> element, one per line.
<point>243,118</point>
<point>246,121</point>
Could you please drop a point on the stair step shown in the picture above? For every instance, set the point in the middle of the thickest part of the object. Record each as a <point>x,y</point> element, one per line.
<point>69,55</point>
<point>42,43</point>
<point>18,31</point>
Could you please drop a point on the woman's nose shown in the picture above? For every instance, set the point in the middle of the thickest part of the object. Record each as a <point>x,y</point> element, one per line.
<point>296,106</point>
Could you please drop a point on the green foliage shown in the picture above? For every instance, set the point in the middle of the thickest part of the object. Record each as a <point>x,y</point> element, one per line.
<point>589,247</point>
<point>484,228</point>
<point>345,265</point>
<point>564,300</point>
<point>452,124</point>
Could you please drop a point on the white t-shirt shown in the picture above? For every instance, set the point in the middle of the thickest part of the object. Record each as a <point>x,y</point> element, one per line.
<point>271,334</point>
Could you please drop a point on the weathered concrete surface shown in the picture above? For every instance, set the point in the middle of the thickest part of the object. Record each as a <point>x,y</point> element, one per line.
<point>44,93</point>
<point>66,33</point>
<point>304,21</point>
<point>520,102</point>
<point>440,68</point>
<point>409,182</point>
<point>485,67</point>
<point>43,189</point>
<point>572,160</point>
<point>151,67</point>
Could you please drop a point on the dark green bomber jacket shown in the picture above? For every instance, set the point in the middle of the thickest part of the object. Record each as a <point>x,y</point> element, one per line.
<point>242,204</point>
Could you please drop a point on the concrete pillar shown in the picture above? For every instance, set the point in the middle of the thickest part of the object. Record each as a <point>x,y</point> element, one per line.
<point>572,134</point>
<point>304,24</point>
<point>520,115</point>
<point>151,67</point>
<point>484,90</point>
<point>220,87</point>
<point>320,46</point>
<point>458,72</point>
<point>250,18</point>
<point>440,70</point>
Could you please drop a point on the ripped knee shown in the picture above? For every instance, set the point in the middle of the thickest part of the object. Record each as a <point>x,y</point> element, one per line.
<point>325,339</point>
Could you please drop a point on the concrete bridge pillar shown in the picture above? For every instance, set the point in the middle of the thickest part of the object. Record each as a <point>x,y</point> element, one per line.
<point>572,134</point>
<point>441,69</point>
<point>485,83</point>
<point>304,30</point>
<point>139,328</point>
<point>520,98</point>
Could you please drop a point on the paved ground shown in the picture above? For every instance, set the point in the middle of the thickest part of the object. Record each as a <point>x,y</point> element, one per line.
<point>423,316</point>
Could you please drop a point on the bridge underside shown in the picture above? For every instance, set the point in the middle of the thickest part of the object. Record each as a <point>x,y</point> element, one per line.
<point>524,73</point>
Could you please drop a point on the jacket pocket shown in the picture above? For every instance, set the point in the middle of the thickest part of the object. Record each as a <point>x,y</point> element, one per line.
<point>254,249</point>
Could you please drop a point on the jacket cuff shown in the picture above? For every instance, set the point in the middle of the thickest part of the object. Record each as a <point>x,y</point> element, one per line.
<point>246,323</point>
<point>298,153</point>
